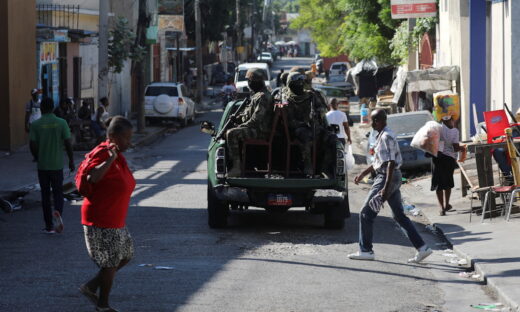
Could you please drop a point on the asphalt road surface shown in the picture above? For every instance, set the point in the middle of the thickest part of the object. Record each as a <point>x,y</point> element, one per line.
<point>262,262</point>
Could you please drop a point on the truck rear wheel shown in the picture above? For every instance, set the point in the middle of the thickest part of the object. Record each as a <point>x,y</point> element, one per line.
<point>335,215</point>
<point>217,210</point>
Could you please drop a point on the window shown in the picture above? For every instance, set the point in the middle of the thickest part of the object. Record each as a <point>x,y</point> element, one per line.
<point>242,75</point>
<point>158,90</point>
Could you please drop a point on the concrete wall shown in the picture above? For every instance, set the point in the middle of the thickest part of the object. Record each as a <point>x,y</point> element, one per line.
<point>18,63</point>
<point>453,49</point>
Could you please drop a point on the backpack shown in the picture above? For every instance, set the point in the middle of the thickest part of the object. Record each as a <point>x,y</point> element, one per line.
<point>84,187</point>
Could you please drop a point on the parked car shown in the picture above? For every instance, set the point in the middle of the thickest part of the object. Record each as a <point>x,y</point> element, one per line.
<point>342,95</point>
<point>404,125</point>
<point>265,57</point>
<point>168,100</point>
<point>339,68</point>
<point>241,81</point>
<point>339,82</point>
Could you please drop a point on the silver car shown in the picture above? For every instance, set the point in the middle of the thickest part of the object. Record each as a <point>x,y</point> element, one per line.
<point>404,125</point>
<point>168,100</point>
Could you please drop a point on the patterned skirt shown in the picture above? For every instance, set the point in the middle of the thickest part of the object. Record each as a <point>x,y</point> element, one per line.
<point>108,247</point>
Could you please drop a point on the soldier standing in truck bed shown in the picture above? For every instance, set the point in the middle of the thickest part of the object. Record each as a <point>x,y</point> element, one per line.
<point>299,116</point>
<point>254,123</point>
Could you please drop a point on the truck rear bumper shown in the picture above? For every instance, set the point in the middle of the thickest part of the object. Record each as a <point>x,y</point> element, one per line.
<point>259,198</point>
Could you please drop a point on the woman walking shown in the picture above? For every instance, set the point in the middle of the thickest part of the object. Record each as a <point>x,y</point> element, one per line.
<point>103,214</point>
<point>445,163</point>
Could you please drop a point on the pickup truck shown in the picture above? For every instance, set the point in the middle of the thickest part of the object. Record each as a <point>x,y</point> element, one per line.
<point>271,175</point>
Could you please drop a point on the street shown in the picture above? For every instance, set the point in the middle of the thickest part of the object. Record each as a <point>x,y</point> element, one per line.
<point>261,262</point>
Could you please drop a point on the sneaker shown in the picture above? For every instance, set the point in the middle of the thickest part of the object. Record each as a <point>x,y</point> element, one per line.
<point>421,254</point>
<point>58,222</point>
<point>362,255</point>
<point>45,231</point>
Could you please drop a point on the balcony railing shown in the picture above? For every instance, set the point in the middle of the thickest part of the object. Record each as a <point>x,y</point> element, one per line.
<point>58,15</point>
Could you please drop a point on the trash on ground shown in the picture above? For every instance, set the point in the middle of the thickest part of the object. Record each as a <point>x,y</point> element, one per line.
<point>159,267</point>
<point>451,255</point>
<point>462,262</point>
<point>489,306</point>
<point>471,275</point>
<point>146,265</point>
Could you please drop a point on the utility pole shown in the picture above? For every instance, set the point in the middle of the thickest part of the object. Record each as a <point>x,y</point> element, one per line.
<point>138,70</point>
<point>103,49</point>
<point>238,31</point>
<point>198,43</point>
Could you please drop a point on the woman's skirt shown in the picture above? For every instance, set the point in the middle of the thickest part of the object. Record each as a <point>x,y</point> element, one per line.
<point>442,172</point>
<point>107,247</point>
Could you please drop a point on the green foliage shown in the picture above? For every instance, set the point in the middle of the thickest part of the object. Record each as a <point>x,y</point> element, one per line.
<point>122,46</point>
<point>363,29</point>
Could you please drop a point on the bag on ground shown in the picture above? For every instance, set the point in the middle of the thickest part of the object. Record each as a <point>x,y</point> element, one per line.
<point>349,158</point>
<point>428,137</point>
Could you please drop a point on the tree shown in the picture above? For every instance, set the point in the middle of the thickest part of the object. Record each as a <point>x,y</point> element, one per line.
<point>363,29</point>
<point>121,46</point>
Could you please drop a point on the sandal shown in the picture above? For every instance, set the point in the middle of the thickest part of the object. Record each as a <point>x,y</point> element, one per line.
<point>92,297</point>
<point>448,207</point>
<point>107,309</point>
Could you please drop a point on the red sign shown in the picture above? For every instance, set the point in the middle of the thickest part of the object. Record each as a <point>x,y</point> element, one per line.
<point>413,8</point>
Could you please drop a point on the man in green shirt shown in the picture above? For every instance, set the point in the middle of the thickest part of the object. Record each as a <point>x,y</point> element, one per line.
<point>49,135</point>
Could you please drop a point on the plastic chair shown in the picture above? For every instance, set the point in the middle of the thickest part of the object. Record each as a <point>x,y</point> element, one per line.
<point>496,123</point>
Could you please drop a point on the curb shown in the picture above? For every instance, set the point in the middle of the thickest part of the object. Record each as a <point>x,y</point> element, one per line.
<point>479,270</point>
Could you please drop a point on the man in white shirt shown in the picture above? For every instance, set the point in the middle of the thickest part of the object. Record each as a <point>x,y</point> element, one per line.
<point>337,117</point>
<point>386,187</point>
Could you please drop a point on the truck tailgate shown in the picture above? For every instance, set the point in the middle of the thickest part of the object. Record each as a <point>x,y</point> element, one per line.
<point>282,183</point>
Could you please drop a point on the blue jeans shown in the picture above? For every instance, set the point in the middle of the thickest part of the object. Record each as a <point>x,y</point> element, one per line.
<point>501,158</point>
<point>367,215</point>
<point>51,179</point>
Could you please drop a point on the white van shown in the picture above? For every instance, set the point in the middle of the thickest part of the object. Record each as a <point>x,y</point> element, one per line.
<point>240,76</point>
<point>339,68</point>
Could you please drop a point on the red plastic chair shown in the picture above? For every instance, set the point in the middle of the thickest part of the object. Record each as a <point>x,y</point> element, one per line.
<point>496,123</point>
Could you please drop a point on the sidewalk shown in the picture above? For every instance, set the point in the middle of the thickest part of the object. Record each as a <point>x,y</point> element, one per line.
<point>491,247</point>
<point>19,171</point>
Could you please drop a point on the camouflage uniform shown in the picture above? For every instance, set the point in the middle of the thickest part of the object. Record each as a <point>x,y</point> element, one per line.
<point>254,123</point>
<point>299,119</point>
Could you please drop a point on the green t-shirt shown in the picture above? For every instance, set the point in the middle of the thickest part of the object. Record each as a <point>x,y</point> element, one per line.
<point>49,133</point>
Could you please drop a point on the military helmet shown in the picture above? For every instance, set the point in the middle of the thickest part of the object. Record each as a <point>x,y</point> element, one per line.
<point>255,74</point>
<point>294,77</point>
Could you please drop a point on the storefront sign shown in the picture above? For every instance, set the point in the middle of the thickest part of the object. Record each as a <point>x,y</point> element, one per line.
<point>171,23</point>
<point>61,35</point>
<point>48,52</point>
<point>413,8</point>
<point>171,7</point>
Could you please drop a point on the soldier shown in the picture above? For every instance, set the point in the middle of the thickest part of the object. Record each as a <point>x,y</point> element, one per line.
<point>277,93</point>
<point>307,120</point>
<point>299,116</point>
<point>254,123</point>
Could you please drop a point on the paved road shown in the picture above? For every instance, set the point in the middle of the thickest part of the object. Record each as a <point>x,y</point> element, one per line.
<point>262,262</point>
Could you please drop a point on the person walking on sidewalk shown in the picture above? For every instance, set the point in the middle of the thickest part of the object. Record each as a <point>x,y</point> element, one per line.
<point>387,160</point>
<point>445,163</point>
<point>32,109</point>
<point>48,136</point>
<point>337,117</point>
<point>103,213</point>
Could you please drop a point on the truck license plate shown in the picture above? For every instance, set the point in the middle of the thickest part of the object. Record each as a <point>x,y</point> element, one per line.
<point>279,200</point>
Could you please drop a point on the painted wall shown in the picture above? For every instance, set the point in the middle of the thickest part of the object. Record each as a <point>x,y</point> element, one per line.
<point>18,63</point>
<point>453,49</point>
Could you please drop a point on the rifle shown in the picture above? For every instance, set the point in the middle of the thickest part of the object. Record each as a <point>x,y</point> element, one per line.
<point>232,118</point>
<point>314,140</point>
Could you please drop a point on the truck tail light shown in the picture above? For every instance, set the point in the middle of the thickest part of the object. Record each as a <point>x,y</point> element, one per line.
<point>181,101</point>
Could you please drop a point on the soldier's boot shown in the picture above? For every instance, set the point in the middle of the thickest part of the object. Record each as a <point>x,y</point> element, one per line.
<point>236,170</point>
